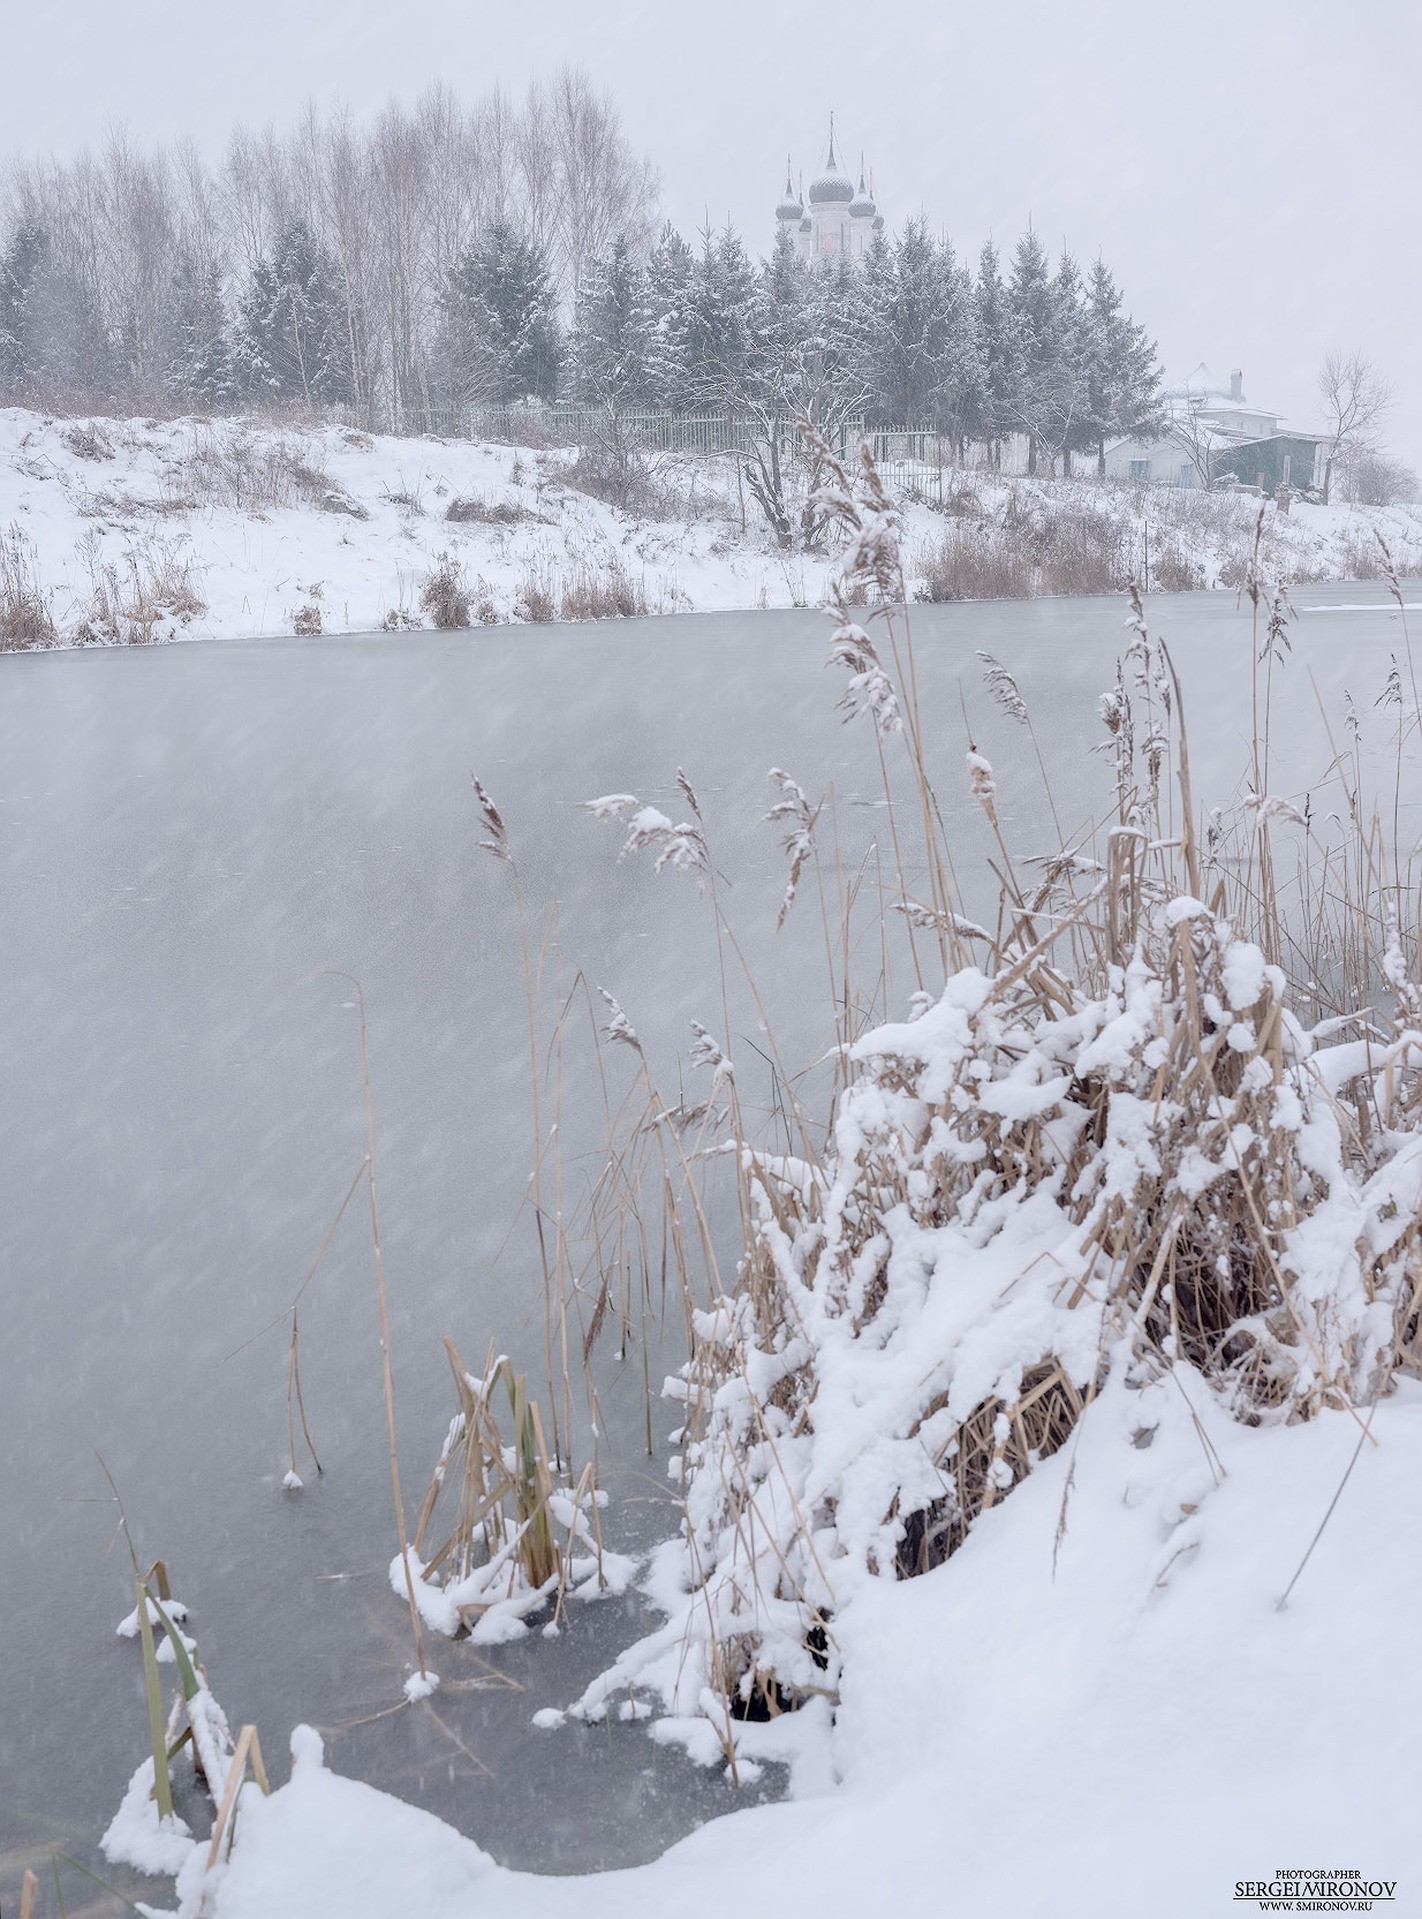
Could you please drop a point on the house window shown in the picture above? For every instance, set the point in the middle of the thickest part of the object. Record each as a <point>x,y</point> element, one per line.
<point>1140,469</point>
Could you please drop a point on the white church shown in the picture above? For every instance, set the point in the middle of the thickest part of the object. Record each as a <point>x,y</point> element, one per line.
<point>836,220</point>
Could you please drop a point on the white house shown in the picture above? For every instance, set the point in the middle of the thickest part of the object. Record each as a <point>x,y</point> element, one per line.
<point>1216,430</point>
<point>836,220</point>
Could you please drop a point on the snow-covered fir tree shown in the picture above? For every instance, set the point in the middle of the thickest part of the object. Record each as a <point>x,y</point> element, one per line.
<point>1035,362</point>
<point>293,334</point>
<point>668,322</point>
<point>992,420</point>
<point>1122,372</point>
<point>720,343</point>
<point>200,368</point>
<point>20,268</point>
<point>610,344</point>
<point>502,338</point>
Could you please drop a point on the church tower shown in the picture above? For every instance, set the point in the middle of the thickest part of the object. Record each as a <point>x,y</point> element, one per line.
<point>831,195</point>
<point>864,219</point>
<point>834,221</point>
<point>790,213</point>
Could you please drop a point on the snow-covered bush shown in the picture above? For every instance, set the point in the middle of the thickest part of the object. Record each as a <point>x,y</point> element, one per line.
<point>1127,1136</point>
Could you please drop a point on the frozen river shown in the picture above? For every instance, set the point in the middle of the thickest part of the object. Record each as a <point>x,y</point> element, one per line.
<point>190,837</point>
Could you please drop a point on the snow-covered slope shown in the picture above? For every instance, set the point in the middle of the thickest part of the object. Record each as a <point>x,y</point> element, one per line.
<point>123,530</point>
<point>242,530</point>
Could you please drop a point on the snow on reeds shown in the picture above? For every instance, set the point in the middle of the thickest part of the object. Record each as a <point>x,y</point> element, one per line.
<point>503,1558</point>
<point>147,1832</point>
<point>1153,1124</point>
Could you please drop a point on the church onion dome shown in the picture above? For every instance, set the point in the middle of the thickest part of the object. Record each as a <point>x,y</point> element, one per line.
<point>862,206</point>
<point>789,207</point>
<point>831,188</point>
<point>805,224</point>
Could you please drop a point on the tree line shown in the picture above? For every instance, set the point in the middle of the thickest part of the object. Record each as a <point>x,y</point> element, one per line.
<point>911,337</point>
<point>314,267</point>
<point>446,257</point>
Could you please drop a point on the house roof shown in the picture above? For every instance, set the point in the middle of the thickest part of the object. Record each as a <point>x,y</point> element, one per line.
<point>1199,385</point>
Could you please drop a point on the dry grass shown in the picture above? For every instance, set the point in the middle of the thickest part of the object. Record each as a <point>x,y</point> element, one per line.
<point>972,564</point>
<point>25,617</point>
<point>129,600</point>
<point>614,467</point>
<point>1363,559</point>
<point>1033,546</point>
<point>445,594</point>
<point>606,592</point>
<point>88,440</point>
<point>232,465</point>
<point>1035,540</point>
<point>472,512</point>
<point>580,589</point>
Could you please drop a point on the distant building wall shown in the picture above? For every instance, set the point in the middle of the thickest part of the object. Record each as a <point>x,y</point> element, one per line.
<point>1168,463</point>
<point>1160,462</point>
<point>1281,459</point>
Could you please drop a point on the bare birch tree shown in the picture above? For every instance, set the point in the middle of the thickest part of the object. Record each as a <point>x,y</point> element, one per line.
<point>1356,397</point>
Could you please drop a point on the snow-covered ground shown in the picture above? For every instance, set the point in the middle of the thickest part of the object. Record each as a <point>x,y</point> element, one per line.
<point>1097,1708</point>
<point>186,529</point>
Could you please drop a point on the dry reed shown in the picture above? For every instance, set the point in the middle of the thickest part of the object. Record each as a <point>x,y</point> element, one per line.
<point>1147,1055</point>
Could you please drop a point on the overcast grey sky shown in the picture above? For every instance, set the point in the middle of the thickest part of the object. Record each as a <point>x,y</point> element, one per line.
<point>1249,169</point>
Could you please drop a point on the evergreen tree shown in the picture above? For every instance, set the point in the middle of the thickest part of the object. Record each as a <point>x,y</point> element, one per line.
<point>785,331</point>
<point>1033,362</point>
<point>23,262</point>
<point>293,340</point>
<point>1122,372</point>
<point>866,315</point>
<point>837,299</point>
<point>963,370</point>
<point>1071,423</point>
<point>610,342</point>
<point>906,344</point>
<point>501,323</point>
<point>720,335</point>
<point>200,369</point>
<point>667,321</point>
<point>52,338</point>
<point>924,365</point>
<point>992,419</point>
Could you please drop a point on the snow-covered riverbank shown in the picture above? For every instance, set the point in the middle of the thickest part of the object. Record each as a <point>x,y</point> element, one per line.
<point>1096,1710</point>
<point>123,530</point>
